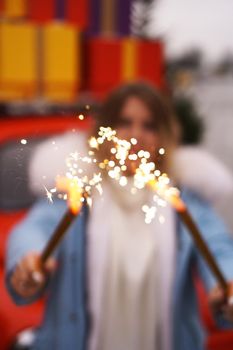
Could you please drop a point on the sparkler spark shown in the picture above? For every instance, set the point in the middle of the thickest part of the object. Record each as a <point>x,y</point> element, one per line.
<point>49,195</point>
<point>78,186</point>
<point>93,143</point>
<point>162,151</point>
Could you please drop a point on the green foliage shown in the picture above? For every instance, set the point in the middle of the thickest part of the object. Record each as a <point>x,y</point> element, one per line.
<point>192,126</point>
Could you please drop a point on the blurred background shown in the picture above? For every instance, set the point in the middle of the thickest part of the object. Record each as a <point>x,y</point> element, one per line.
<point>59,58</point>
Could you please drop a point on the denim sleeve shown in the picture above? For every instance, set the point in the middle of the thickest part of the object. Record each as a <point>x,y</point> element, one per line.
<point>220,243</point>
<point>31,234</point>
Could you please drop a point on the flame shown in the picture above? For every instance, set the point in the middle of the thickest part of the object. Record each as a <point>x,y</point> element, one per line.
<point>74,193</point>
<point>78,185</point>
<point>177,203</point>
<point>169,194</point>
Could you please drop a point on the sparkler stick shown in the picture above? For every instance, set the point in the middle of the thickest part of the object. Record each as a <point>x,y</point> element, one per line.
<point>58,234</point>
<point>74,201</point>
<point>202,246</point>
<point>173,198</point>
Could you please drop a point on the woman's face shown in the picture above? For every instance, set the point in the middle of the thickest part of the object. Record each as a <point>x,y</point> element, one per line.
<point>136,121</point>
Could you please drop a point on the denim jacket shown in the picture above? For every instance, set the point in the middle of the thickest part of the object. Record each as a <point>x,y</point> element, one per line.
<point>66,322</point>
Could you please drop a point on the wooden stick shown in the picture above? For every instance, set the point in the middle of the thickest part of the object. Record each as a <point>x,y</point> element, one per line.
<point>58,234</point>
<point>203,248</point>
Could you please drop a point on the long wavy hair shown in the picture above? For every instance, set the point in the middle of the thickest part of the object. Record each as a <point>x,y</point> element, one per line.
<point>164,122</point>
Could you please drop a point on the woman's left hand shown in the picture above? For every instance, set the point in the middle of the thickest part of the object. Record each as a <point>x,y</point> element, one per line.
<point>220,302</point>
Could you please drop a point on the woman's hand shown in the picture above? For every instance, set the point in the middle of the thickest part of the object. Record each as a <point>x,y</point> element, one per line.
<point>29,276</point>
<point>220,302</point>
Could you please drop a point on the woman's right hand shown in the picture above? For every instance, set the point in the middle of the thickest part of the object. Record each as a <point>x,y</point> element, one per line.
<point>29,276</point>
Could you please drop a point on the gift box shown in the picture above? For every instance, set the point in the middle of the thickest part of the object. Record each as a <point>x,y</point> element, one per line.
<point>41,11</point>
<point>77,12</point>
<point>111,17</point>
<point>129,59</point>
<point>123,14</point>
<point>95,16</point>
<point>61,77</point>
<point>115,61</point>
<point>18,61</point>
<point>103,59</point>
<point>150,57</point>
<point>1,8</point>
<point>108,17</point>
<point>14,8</point>
<point>60,9</point>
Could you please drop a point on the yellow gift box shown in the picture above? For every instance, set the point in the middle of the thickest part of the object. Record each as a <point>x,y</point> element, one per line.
<point>60,62</point>
<point>18,61</point>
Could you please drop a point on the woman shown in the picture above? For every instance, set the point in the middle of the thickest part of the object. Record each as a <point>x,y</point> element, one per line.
<point>120,283</point>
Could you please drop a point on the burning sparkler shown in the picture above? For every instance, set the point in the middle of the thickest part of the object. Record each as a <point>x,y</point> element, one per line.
<point>172,196</point>
<point>78,188</point>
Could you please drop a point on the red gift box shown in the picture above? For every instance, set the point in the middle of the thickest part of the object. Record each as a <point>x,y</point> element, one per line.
<point>41,11</point>
<point>77,12</point>
<point>115,61</point>
<point>104,64</point>
<point>151,61</point>
<point>1,7</point>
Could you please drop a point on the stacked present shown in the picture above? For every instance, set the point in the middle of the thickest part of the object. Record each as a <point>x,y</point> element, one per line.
<point>61,75</point>
<point>39,61</point>
<point>18,61</point>
<point>43,11</point>
<point>89,48</point>
<point>110,16</point>
<point>115,61</point>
